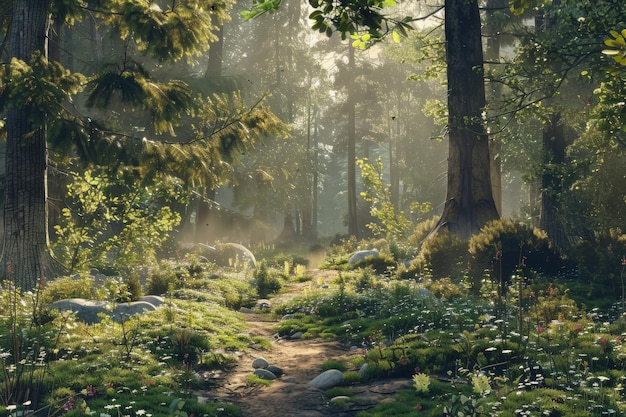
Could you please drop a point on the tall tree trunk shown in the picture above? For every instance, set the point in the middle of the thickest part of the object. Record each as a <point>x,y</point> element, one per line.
<point>551,181</point>
<point>469,202</point>
<point>26,257</point>
<point>353,229</point>
<point>493,55</point>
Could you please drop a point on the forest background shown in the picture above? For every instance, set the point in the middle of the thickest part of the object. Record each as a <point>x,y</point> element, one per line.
<point>145,119</point>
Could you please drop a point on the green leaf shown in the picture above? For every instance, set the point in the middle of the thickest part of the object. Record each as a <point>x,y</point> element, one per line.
<point>395,36</point>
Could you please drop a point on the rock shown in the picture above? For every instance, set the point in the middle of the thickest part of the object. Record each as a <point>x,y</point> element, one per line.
<point>89,311</point>
<point>246,310</point>
<point>327,379</point>
<point>288,317</point>
<point>275,370</point>
<point>85,310</point>
<point>363,369</point>
<point>361,255</point>
<point>263,304</point>
<point>264,374</point>
<point>155,300</point>
<point>340,400</point>
<point>260,363</point>
<point>124,310</point>
<point>296,335</point>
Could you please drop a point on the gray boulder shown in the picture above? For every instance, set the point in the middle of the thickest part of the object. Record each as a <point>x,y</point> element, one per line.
<point>155,300</point>
<point>361,255</point>
<point>260,363</point>
<point>90,311</point>
<point>275,370</point>
<point>264,374</point>
<point>327,379</point>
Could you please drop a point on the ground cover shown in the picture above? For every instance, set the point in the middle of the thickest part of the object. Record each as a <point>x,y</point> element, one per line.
<point>407,345</point>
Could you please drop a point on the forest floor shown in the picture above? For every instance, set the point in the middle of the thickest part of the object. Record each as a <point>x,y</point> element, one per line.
<point>301,360</point>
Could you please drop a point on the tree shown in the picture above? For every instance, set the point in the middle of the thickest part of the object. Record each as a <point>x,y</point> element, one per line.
<point>25,251</point>
<point>47,105</point>
<point>469,203</point>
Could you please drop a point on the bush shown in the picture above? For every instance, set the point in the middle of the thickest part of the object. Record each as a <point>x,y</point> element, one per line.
<point>502,247</point>
<point>266,280</point>
<point>442,255</point>
<point>599,265</point>
<point>381,264</point>
<point>68,287</point>
<point>166,277</point>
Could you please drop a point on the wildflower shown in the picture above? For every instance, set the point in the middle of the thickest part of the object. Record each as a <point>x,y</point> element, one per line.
<point>623,260</point>
<point>539,329</point>
<point>419,407</point>
<point>69,404</point>
<point>403,361</point>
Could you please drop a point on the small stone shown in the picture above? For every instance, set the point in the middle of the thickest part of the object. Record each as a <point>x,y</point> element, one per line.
<point>340,400</point>
<point>327,379</point>
<point>264,374</point>
<point>275,370</point>
<point>363,369</point>
<point>260,363</point>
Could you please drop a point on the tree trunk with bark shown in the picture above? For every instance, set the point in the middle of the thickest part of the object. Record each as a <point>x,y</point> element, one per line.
<point>353,229</point>
<point>469,202</point>
<point>554,145</point>
<point>26,257</point>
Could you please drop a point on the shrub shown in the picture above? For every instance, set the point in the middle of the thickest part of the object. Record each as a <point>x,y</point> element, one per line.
<point>503,247</point>
<point>68,287</point>
<point>266,280</point>
<point>442,255</point>
<point>599,265</point>
<point>381,264</point>
<point>333,364</point>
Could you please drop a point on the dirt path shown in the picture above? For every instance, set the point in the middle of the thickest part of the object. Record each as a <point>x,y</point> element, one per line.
<point>290,394</point>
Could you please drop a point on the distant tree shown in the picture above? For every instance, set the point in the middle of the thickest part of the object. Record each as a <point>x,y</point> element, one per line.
<point>469,203</point>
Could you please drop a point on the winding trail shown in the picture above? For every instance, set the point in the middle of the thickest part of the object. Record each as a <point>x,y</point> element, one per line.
<point>300,360</point>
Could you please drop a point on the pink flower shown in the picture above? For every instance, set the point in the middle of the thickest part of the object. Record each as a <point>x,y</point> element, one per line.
<point>539,329</point>
<point>419,407</point>
<point>403,361</point>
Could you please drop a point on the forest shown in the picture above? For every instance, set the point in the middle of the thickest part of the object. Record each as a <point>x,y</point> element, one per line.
<point>457,167</point>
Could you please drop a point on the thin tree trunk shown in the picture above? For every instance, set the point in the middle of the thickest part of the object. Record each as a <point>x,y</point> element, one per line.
<point>551,182</point>
<point>353,229</point>
<point>469,202</point>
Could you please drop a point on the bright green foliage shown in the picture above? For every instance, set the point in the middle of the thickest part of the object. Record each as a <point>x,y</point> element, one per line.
<point>617,45</point>
<point>519,7</point>
<point>40,86</point>
<point>391,223</point>
<point>421,382</point>
<point>85,233</point>
<point>266,280</point>
<point>350,17</point>
<point>184,28</point>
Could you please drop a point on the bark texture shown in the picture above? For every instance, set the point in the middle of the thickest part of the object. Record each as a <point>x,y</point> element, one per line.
<point>469,202</point>
<point>26,257</point>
